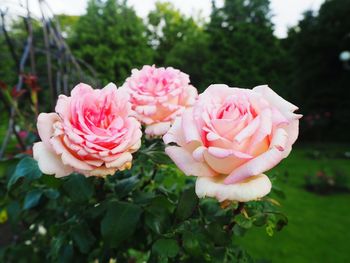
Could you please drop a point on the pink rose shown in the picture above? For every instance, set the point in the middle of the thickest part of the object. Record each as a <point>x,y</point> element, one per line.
<point>230,138</point>
<point>158,96</point>
<point>91,132</point>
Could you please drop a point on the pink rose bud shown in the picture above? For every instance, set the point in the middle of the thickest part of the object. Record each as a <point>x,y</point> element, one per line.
<point>231,137</point>
<point>91,132</point>
<point>158,96</point>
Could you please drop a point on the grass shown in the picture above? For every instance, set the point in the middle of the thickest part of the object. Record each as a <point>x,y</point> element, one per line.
<point>318,228</point>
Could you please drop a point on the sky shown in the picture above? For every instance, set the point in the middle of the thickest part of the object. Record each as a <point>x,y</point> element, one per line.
<point>286,13</point>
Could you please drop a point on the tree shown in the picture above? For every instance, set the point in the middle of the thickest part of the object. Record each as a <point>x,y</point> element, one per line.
<point>111,38</point>
<point>167,27</point>
<point>179,41</point>
<point>315,44</point>
<point>244,51</point>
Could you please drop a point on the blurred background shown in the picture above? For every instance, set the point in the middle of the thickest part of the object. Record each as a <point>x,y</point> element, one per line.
<point>301,49</point>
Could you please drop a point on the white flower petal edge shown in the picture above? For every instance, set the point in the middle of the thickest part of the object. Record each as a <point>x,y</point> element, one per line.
<point>253,188</point>
<point>49,162</point>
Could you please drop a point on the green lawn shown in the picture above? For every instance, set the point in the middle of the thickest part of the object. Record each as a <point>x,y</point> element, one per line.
<point>319,226</point>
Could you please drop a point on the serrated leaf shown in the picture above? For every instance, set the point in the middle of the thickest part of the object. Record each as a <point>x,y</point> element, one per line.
<point>187,203</point>
<point>32,199</point>
<point>26,168</point>
<point>166,247</point>
<point>78,188</point>
<point>119,222</point>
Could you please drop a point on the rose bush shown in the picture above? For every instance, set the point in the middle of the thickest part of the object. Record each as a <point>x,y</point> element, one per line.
<point>91,132</point>
<point>150,212</point>
<point>230,138</point>
<point>158,96</point>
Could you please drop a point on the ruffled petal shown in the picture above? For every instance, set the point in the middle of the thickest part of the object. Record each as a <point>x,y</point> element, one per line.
<point>67,157</point>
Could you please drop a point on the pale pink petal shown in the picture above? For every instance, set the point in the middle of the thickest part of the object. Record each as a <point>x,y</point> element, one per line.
<point>81,89</point>
<point>67,157</point>
<point>275,99</point>
<point>223,165</point>
<point>263,162</point>
<point>198,153</point>
<point>120,161</point>
<point>253,188</point>
<point>175,133</point>
<point>189,126</point>
<point>223,153</point>
<point>184,160</point>
<point>63,106</point>
<point>157,129</point>
<point>248,131</point>
<point>45,126</point>
<point>49,162</point>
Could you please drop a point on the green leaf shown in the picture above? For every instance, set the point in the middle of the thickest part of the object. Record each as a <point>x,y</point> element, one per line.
<point>57,242</point>
<point>166,247</point>
<point>191,244</point>
<point>187,203</point>
<point>66,254</point>
<point>32,199</point>
<point>158,214</point>
<point>52,193</point>
<point>239,231</point>
<point>78,188</point>
<point>243,222</point>
<point>27,168</point>
<point>13,211</point>
<point>217,234</point>
<point>119,222</point>
<point>125,186</point>
<point>83,237</point>
<point>281,223</point>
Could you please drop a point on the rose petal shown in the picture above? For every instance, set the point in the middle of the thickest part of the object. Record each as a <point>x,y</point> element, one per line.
<point>275,99</point>
<point>67,157</point>
<point>189,126</point>
<point>175,133</point>
<point>184,160</point>
<point>253,188</point>
<point>45,126</point>
<point>157,129</point>
<point>263,162</point>
<point>49,162</point>
<point>120,161</point>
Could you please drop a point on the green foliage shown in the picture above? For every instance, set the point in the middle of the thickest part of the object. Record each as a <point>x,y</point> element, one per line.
<point>149,213</point>
<point>119,222</point>
<point>27,168</point>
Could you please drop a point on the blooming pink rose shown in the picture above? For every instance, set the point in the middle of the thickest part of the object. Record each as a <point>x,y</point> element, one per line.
<point>158,96</point>
<point>230,138</point>
<point>91,132</point>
